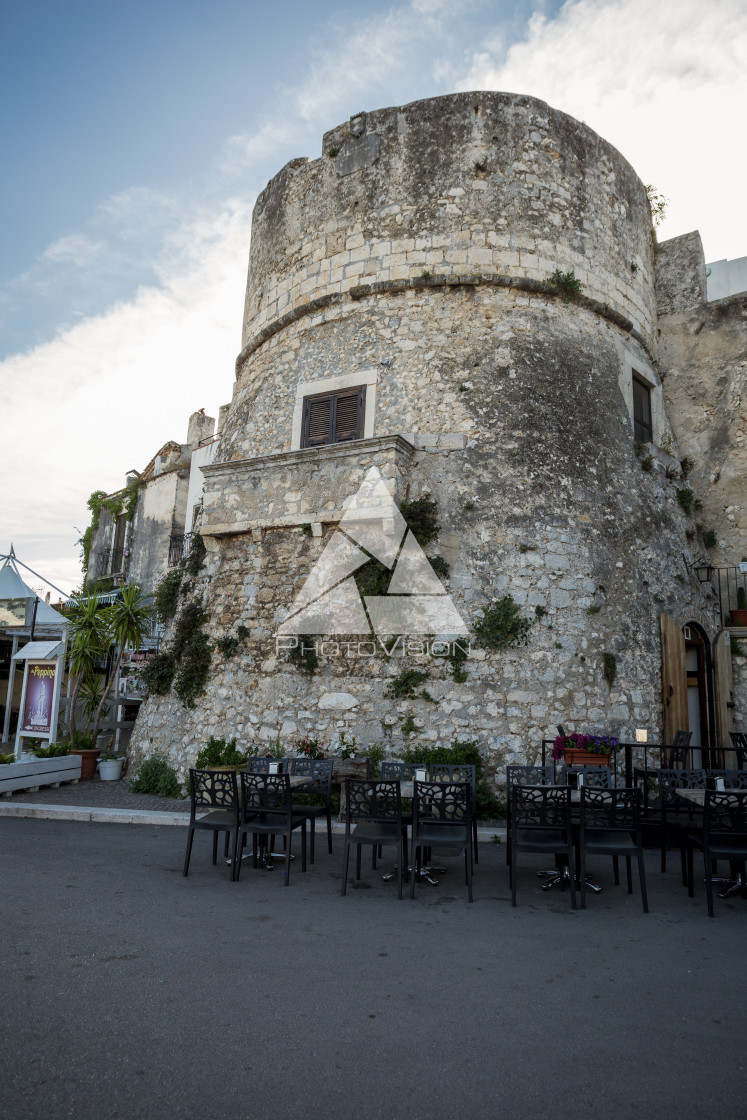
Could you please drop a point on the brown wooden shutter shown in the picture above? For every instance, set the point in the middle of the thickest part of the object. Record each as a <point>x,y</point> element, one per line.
<point>348,416</point>
<point>317,417</point>
<point>724,682</point>
<point>673,679</point>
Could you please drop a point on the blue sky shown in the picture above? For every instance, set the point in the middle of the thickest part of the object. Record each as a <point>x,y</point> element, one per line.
<point>136,137</point>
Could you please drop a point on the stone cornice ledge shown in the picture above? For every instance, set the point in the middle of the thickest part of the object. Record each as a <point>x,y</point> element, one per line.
<point>382,287</point>
<point>310,456</point>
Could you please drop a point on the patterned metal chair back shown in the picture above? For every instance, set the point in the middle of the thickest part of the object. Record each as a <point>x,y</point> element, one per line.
<point>739,739</point>
<point>213,789</point>
<point>611,810</point>
<point>262,765</point>
<point>725,813</point>
<point>672,780</point>
<point>677,753</point>
<point>265,793</point>
<point>441,802</point>
<point>529,776</point>
<point>400,771</point>
<point>453,772</point>
<point>540,807</point>
<point>598,777</point>
<point>733,780</point>
<point>369,800</point>
<point>317,770</point>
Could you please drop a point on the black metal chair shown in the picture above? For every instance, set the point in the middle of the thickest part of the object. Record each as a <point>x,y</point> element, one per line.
<point>610,825</point>
<point>724,836</point>
<point>524,776</point>
<point>216,790</point>
<point>400,771</point>
<point>739,739</point>
<point>597,777</point>
<point>261,765</point>
<point>441,818</point>
<point>319,774</point>
<point>541,822</point>
<point>732,779</point>
<point>676,757</point>
<point>373,815</point>
<point>267,811</point>
<point>459,772</point>
<point>678,816</point>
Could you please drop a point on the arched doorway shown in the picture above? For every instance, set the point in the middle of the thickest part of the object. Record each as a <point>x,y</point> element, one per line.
<point>696,686</point>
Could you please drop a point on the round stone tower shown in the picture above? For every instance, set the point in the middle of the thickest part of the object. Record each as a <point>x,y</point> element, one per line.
<point>459,294</point>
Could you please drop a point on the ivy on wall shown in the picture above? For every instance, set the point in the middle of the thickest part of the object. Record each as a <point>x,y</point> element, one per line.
<point>125,500</point>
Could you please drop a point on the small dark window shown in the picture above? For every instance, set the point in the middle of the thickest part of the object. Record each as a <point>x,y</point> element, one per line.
<point>333,417</point>
<point>642,429</point>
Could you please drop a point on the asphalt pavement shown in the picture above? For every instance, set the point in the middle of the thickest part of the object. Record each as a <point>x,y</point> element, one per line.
<point>130,992</point>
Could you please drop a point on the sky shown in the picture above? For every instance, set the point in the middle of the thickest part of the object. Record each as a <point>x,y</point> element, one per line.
<point>135,139</point>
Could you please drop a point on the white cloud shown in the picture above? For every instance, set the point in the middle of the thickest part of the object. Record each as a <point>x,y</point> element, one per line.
<point>661,82</point>
<point>77,249</point>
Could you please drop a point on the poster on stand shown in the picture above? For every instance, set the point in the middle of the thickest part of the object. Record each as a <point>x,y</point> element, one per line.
<point>36,718</point>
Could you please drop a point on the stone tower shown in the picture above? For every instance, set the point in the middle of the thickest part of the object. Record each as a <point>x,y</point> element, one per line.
<point>399,316</point>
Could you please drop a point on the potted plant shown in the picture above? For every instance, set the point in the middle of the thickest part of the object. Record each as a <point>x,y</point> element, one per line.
<point>585,750</point>
<point>84,745</point>
<point>110,766</point>
<point>739,615</point>
<point>221,754</point>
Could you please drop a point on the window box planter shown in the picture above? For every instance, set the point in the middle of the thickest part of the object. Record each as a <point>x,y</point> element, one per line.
<point>32,773</point>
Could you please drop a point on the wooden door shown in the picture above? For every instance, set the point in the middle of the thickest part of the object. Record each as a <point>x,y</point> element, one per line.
<point>673,678</point>
<point>724,693</point>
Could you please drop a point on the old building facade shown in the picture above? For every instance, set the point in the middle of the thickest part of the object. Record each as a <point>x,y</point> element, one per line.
<point>413,310</point>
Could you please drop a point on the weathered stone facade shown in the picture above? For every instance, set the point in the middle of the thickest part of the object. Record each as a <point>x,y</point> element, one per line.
<point>413,258</point>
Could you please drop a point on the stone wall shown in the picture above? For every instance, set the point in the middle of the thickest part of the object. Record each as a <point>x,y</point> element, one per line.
<point>703,356</point>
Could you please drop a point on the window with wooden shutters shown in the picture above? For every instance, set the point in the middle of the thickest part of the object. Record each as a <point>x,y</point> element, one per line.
<point>642,427</point>
<point>333,417</point>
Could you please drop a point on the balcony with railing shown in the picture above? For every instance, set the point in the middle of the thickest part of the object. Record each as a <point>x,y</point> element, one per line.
<point>179,546</point>
<point>727,583</point>
<point>109,562</point>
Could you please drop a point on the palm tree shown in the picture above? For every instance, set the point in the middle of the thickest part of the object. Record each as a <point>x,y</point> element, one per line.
<point>130,617</point>
<point>88,631</point>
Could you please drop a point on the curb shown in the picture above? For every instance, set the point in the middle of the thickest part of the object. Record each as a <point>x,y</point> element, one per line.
<point>151,816</point>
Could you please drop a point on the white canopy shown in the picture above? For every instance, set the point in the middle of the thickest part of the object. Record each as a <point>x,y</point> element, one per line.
<point>39,651</point>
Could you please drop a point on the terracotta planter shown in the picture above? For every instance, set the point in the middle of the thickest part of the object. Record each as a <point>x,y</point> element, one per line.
<point>88,759</point>
<point>738,618</point>
<point>586,758</point>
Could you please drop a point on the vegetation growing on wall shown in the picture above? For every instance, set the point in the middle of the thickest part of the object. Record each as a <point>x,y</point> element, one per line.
<point>185,667</point>
<point>166,597</point>
<point>610,668</point>
<point>502,626</point>
<point>303,656</point>
<point>567,283</point>
<point>421,516</point>
<point>123,500</point>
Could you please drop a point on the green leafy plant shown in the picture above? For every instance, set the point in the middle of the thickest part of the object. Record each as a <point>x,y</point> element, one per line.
<point>595,608</point>
<point>647,463</point>
<point>741,599</point>
<point>710,540</point>
<point>228,645</point>
<point>469,505</point>
<point>540,611</point>
<point>166,596</point>
<point>372,578</point>
<point>129,617</point>
<point>195,562</point>
<point>333,151</point>
<point>523,547</point>
<point>307,530</point>
<point>456,657</point>
<point>610,668</point>
<point>154,775</point>
<point>567,284</point>
<point>221,752</point>
<point>404,685</point>
<point>658,204</point>
<point>54,750</point>
<point>158,673</point>
<point>421,516</point>
<point>6,759</point>
<point>440,567</point>
<point>408,726</point>
<point>304,657</point>
<point>346,748</point>
<point>686,499</point>
<point>686,465</point>
<point>463,388</point>
<point>425,274</point>
<point>502,626</point>
<point>375,753</point>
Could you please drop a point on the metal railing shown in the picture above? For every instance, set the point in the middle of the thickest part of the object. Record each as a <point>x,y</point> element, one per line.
<point>179,546</point>
<point>727,582</point>
<point>109,562</point>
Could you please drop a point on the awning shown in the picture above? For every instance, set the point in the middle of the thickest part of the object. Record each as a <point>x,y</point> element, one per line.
<point>39,651</point>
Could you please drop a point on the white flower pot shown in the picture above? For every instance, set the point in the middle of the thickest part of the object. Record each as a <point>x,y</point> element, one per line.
<point>742,565</point>
<point>111,771</point>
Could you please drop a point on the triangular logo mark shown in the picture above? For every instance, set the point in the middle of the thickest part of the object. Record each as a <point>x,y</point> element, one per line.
<point>416,601</point>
